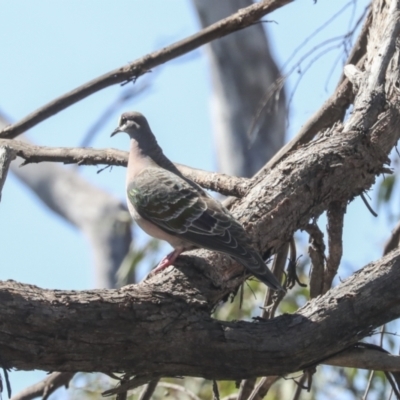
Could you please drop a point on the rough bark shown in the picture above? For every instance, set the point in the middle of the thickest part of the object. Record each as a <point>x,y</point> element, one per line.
<point>150,328</point>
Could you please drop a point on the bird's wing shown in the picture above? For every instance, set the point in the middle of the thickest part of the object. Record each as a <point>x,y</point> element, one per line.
<point>186,211</point>
<point>180,209</point>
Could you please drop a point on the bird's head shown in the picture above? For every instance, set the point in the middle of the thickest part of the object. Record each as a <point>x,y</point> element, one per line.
<point>133,123</point>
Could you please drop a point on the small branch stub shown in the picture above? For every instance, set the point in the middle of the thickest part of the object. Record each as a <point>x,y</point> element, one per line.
<point>6,156</point>
<point>354,75</point>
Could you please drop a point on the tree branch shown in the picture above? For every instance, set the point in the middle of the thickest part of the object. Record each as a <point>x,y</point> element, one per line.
<point>394,240</point>
<point>263,387</point>
<point>366,359</point>
<point>148,390</point>
<point>316,251</point>
<point>93,330</point>
<point>240,20</point>
<point>221,183</point>
<point>45,387</point>
<point>335,216</point>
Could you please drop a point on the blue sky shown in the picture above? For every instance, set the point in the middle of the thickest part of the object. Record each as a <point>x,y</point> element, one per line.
<point>49,48</point>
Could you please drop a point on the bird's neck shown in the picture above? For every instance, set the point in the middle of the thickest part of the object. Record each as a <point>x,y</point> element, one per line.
<point>141,158</point>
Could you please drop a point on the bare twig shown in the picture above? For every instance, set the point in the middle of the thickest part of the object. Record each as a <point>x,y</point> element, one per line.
<point>368,205</point>
<point>269,308</point>
<point>67,155</point>
<point>133,383</point>
<point>393,241</point>
<point>358,51</point>
<point>299,387</point>
<point>179,388</point>
<point>240,20</point>
<point>333,109</point>
<point>341,41</point>
<point>335,216</point>
<point>372,372</point>
<point>245,389</point>
<point>278,268</point>
<point>149,390</point>
<point>125,96</point>
<point>263,387</point>
<point>7,154</point>
<point>122,396</point>
<point>316,251</point>
<point>215,390</point>
<point>45,387</point>
<point>314,34</point>
<point>292,277</point>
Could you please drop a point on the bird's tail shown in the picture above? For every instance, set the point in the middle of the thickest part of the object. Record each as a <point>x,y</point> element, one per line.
<point>257,266</point>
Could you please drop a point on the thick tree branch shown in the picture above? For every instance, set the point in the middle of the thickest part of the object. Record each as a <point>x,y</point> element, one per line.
<point>336,167</point>
<point>240,20</point>
<point>115,330</point>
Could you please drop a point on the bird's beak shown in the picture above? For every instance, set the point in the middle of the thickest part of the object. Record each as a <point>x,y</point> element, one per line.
<point>115,131</point>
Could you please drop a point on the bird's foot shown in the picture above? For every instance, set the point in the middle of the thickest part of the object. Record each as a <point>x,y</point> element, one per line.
<point>165,262</point>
